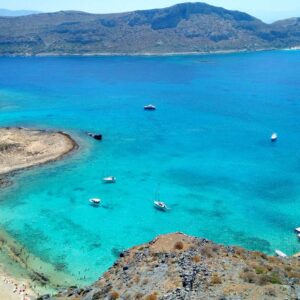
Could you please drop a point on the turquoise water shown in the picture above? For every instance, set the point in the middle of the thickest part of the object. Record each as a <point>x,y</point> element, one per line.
<point>206,147</point>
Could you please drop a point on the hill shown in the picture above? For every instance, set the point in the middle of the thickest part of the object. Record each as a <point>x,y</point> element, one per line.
<point>177,266</point>
<point>16,13</point>
<point>188,27</point>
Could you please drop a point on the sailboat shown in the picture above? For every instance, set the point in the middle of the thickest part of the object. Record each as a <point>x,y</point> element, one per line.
<point>159,204</point>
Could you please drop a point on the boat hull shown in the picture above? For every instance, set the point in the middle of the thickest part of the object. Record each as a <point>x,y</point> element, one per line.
<point>159,207</point>
<point>109,180</point>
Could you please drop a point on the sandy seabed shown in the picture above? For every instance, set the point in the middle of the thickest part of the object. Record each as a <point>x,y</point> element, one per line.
<point>22,148</point>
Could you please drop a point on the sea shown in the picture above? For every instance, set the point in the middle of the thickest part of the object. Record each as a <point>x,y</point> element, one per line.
<point>205,152</point>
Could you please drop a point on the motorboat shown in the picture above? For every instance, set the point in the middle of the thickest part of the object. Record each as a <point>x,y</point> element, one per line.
<point>280,253</point>
<point>149,107</point>
<point>95,201</point>
<point>274,137</point>
<point>160,205</point>
<point>110,179</point>
<point>297,229</point>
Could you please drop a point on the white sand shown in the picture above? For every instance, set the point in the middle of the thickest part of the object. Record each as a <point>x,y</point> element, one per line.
<point>11,289</point>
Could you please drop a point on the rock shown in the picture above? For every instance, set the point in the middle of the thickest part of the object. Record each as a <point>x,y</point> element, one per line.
<point>200,270</point>
<point>97,137</point>
<point>45,297</point>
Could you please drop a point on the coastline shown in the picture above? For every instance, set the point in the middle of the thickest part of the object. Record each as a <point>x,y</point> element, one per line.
<point>23,267</point>
<point>70,146</point>
<point>195,58</point>
<point>12,289</point>
<point>35,276</point>
<point>150,54</point>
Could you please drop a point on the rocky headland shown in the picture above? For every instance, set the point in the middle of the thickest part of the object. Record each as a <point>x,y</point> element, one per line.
<point>177,266</point>
<point>22,148</point>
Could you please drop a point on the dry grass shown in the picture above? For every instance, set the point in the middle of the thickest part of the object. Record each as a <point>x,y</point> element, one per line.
<point>178,246</point>
<point>196,259</point>
<point>294,275</point>
<point>260,270</point>
<point>114,295</point>
<point>151,297</point>
<point>249,276</point>
<point>215,279</point>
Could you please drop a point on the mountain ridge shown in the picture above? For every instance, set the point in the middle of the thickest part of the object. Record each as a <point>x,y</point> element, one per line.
<point>16,13</point>
<point>182,28</point>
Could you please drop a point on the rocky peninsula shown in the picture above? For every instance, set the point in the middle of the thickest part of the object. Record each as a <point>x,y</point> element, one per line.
<point>22,148</point>
<point>177,266</point>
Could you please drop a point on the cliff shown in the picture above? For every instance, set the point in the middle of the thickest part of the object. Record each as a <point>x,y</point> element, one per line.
<point>177,266</point>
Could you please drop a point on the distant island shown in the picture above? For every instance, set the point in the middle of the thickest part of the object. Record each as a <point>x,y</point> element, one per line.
<point>183,28</point>
<point>16,13</point>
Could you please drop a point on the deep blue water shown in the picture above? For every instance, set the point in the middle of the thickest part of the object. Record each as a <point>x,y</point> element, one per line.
<point>206,149</point>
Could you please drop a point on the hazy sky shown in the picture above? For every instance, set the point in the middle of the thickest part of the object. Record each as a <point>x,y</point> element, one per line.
<point>268,10</point>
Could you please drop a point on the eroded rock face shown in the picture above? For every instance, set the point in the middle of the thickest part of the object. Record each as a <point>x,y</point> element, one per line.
<point>177,266</point>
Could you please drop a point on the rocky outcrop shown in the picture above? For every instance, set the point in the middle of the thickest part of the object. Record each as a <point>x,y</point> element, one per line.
<point>177,266</point>
<point>22,148</point>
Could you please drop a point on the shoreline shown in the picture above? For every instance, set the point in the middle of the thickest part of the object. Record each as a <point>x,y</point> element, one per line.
<point>10,290</point>
<point>22,274</point>
<point>5,176</point>
<point>24,267</point>
<point>149,54</point>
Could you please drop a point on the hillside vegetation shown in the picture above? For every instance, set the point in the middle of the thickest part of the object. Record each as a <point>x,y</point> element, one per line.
<point>188,27</point>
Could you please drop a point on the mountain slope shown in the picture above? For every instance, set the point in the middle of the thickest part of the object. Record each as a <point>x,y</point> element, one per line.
<point>188,27</point>
<point>177,266</point>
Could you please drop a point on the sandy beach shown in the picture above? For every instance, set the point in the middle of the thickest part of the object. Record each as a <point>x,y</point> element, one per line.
<point>20,149</point>
<point>11,289</point>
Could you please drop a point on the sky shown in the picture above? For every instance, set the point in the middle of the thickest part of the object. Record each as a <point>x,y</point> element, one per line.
<point>267,10</point>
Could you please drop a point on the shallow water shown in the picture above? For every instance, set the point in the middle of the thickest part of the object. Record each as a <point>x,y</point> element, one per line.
<point>206,149</point>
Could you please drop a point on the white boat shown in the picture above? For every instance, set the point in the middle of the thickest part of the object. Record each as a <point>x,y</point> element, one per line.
<point>280,253</point>
<point>95,201</point>
<point>297,229</point>
<point>274,137</point>
<point>160,205</point>
<point>110,179</point>
<point>149,107</point>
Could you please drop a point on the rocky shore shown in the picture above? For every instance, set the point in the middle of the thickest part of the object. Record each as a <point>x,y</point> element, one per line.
<point>22,148</point>
<point>177,266</point>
